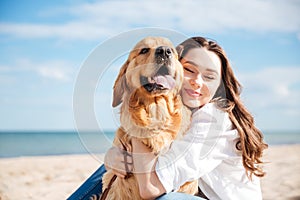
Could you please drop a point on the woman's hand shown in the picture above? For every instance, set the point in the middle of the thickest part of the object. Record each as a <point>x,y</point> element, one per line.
<point>116,159</point>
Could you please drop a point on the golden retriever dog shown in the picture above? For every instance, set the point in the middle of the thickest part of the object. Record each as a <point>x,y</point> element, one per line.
<point>147,88</point>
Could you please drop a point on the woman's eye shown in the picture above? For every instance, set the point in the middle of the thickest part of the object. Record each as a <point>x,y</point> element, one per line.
<point>144,50</point>
<point>189,70</point>
<point>209,77</point>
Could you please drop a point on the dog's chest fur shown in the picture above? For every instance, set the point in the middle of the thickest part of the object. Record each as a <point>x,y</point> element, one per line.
<point>156,120</point>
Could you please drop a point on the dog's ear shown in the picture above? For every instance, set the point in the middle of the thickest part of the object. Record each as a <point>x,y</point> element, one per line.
<point>120,85</point>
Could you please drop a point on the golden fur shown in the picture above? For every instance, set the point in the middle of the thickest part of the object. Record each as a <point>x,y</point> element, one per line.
<point>155,114</point>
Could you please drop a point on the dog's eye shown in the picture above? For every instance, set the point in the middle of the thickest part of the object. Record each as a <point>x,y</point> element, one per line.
<point>144,50</point>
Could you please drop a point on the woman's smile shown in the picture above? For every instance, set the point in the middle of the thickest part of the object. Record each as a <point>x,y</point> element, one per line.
<point>193,93</point>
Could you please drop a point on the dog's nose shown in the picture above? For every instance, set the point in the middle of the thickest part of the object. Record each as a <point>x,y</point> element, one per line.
<point>163,51</point>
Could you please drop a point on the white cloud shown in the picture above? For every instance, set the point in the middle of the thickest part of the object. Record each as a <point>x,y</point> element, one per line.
<point>54,70</point>
<point>58,70</point>
<point>273,77</point>
<point>55,73</point>
<point>92,21</point>
<point>273,88</point>
<point>72,30</point>
<point>272,95</point>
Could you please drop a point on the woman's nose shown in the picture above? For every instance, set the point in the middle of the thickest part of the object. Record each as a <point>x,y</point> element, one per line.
<point>197,82</point>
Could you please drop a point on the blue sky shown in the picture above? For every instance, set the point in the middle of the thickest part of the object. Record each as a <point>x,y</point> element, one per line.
<point>43,45</point>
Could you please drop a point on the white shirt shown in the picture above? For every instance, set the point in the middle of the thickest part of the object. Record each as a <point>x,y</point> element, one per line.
<point>207,152</point>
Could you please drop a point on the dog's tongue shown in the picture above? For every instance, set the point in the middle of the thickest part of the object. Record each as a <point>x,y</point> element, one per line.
<point>165,81</point>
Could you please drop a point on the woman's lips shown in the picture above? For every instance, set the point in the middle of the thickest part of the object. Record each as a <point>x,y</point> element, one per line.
<point>192,93</point>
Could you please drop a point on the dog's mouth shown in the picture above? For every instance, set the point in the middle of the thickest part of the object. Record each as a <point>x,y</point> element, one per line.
<point>162,80</point>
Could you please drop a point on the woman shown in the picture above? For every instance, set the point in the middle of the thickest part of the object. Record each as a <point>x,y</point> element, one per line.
<point>222,149</point>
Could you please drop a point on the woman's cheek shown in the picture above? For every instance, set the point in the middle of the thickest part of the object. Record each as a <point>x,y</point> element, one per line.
<point>212,88</point>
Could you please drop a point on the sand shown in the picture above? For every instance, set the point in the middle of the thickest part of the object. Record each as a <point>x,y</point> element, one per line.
<point>56,177</point>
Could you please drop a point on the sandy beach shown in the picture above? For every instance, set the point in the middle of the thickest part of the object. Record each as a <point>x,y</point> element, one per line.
<point>56,177</point>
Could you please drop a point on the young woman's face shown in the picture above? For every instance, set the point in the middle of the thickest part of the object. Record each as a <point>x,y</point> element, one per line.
<point>202,77</point>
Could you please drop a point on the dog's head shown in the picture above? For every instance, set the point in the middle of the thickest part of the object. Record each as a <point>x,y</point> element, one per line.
<point>152,66</point>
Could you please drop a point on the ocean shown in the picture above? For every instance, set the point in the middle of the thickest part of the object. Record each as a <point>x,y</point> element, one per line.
<point>43,143</point>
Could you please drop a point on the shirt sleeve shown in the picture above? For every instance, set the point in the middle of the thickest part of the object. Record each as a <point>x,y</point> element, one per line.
<point>201,149</point>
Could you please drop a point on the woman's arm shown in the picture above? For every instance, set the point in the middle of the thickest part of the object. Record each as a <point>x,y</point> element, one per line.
<point>144,168</point>
<point>114,160</point>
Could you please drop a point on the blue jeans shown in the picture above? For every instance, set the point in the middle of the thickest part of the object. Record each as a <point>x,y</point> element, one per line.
<point>93,185</point>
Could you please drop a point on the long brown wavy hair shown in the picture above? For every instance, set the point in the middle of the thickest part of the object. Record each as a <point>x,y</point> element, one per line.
<point>227,98</point>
